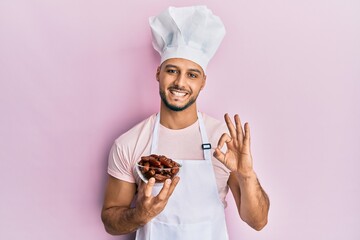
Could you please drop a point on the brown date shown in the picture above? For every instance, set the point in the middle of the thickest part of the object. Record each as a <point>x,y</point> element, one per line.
<point>158,166</point>
<point>160,178</point>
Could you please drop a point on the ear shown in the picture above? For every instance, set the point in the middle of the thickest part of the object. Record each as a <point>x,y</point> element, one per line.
<point>158,73</point>
<point>203,83</point>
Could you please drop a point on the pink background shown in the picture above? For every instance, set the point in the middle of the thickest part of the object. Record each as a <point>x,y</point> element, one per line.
<point>74,75</point>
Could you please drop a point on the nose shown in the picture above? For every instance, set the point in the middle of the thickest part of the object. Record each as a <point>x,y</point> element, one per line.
<point>180,80</point>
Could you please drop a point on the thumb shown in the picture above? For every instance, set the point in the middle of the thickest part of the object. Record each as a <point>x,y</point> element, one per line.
<point>219,155</point>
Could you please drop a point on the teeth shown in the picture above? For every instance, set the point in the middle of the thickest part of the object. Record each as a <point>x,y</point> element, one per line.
<point>178,94</point>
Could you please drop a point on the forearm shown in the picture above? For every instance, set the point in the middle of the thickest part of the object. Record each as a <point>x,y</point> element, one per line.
<point>120,220</point>
<point>254,202</point>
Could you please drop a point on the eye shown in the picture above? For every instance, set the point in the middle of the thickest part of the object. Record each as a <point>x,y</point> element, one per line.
<point>191,75</point>
<point>171,71</point>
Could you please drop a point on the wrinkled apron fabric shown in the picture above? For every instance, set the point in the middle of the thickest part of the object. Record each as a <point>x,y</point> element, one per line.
<point>194,211</point>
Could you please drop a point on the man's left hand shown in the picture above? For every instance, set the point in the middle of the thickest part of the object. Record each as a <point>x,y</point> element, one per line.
<point>238,157</point>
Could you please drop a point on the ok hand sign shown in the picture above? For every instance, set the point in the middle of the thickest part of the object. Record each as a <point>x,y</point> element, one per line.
<point>238,157</point>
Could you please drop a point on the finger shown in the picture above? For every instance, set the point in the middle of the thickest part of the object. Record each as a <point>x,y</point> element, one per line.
<point>219,155</point>
<point>164,191</point>
<point>247,135</point>
<point>230,126</point>
<point>239,129</point>
<point>225,138</point>
<point>173,184</point>
<point>148,187</point>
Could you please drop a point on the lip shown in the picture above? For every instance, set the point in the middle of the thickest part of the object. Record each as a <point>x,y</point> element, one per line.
<point>178,92</point>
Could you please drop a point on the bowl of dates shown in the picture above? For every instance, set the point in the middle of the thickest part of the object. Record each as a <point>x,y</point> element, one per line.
<point>158,167</point>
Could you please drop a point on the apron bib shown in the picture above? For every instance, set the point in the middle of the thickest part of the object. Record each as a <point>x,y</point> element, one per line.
<point>194,210</point>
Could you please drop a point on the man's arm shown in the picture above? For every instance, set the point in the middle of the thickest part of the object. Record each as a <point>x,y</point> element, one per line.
<point>117,214</point>
<point>251,200</point>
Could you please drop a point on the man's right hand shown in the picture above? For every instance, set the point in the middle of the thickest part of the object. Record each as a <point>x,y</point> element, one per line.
<point>149,206</point>
<point>117,214</point>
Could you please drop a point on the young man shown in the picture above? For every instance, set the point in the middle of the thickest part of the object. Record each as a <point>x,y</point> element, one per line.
<point>190,206</point>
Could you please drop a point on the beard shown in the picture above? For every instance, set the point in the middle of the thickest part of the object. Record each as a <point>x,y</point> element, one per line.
<point>174,107</point>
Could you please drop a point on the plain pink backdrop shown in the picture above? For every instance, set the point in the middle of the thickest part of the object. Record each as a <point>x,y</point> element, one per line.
<point>74,75</point>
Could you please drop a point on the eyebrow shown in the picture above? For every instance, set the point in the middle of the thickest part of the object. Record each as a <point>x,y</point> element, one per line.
<point>191,69</point>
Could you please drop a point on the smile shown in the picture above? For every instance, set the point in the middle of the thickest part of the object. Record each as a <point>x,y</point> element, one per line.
<point>178,93</point>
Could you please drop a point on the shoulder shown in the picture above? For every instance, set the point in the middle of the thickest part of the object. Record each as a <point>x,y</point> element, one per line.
<point>141,131</point>
<point>213,125</point>
<point>128,148</point>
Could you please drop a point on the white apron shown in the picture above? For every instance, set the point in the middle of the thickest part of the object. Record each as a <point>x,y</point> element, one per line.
<point>194,211</point>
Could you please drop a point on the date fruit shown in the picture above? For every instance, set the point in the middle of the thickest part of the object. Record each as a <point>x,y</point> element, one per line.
<point>159,167</point>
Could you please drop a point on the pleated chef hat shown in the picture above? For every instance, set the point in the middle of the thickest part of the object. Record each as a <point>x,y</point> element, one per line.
<point>192,33</point>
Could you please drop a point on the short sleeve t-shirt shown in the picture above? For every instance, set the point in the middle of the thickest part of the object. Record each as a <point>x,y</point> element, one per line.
<point>176,144</point>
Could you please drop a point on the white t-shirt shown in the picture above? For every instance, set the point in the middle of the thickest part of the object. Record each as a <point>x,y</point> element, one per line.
<point>175,144</point>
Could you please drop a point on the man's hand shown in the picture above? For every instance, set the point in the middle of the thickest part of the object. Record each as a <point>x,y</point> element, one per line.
<point>251,200</point>
<point>149,206</point>
<point>238,156</point>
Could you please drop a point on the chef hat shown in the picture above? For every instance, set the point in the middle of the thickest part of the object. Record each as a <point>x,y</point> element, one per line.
<point>193,33</point>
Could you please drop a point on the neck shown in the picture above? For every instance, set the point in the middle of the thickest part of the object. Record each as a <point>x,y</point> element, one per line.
<point>178,120</point>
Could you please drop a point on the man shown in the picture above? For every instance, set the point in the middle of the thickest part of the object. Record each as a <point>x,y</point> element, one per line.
<point>191,205</point>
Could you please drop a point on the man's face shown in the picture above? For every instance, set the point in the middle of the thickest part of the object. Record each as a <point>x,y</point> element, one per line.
<point>180,82</point>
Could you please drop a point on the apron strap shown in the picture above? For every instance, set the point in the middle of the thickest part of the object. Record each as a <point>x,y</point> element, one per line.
<point>206,146</point>
<point>155,135</point>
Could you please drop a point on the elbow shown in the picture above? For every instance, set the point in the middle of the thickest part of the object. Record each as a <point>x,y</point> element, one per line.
<point>107,226</point>
<point>108,229</point>
<point>259,225</point>
<point>111,232</point>
<point>256,223</point>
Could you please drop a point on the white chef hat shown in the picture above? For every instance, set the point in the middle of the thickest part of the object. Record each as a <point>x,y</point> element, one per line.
<point>192,33</point>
